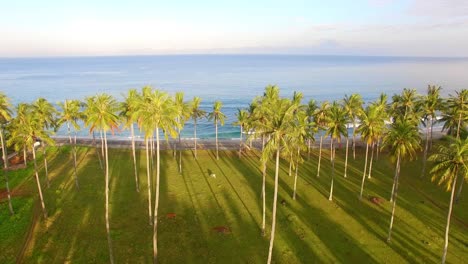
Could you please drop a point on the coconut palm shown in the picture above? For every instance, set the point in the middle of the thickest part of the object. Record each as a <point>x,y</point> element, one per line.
<point>45,113</point>
<point>450,162</point>
<point>158,113</point>
<point>311,108</point>
<point>101,114</point>
<point>22,111</point>
<point>217,117</point>
<point>71,114</point>
<point>353,106</point>
<point>183,114</point>
<point>196,113</point>
<point>242,120</point>
<point>321,119</point>
<point>5,117</point>
<point>297,140</point>
<point>279,127</point>
<point>458,106</point>
<point>403,141</point>
<point>337,120</point>
<point>128,113</point>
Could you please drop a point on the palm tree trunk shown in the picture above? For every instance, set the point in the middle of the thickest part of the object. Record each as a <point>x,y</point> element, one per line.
<point>448,218</point>
<point>44,153</point>
<point>74,154</point>
<point>102,144</point>
<point>275,199</point>
<point>180,153</point>
<point>377,151</point>
<point>134,158</point>
<point>97,151</point>
<point>354,139</point>
<point>330,198</point>
<point>432,128</point>
<point>320,157</point>
<point>457,198</point>
<point>44,211</point>
<point>308,148</point>
<point>148,174</point>
<point>263,189</point>
<point>393,187</point>
<point>426,147</point>
<point>364,175</point>
<point>216,128</point>
<point>156,203</point>
<point>5,165</point>
<point>195,136</point>
<point>459,124</point>
<point>290,164</point>
<point>295,175</point>
<point>109,241</point>
<point>346,159</point>
<point>371,160</point>
<point>25,156</point>
<point>395,194</point>
<point>240,143</point>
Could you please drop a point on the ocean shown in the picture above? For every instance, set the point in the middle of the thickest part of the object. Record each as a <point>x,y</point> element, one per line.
<point>233,79</point>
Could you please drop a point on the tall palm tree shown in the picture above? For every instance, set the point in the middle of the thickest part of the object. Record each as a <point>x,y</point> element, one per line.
<point>101,114</point>
<point>22,110</point>
<point>449,163</point>
<point>129,108</point>
<point>403,141</point>
<point>311,108</point>
<point>196,113</point>
<point>5,117</point>
<point>337,120</point>
<point>183,114</point>
<point>321,119</point>
<point>71,114</point>
<point>297,140</point>
<point>45,113</point>
<point>217,117</point>
<point>242,120</point>
<point>371,127</point>
<point>459,104</point>
<point>159,113</point>
<point>353,107</point>
<point>277,129</point>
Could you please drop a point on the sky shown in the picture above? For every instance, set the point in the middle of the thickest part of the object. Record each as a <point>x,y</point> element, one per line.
<point>31,28</point>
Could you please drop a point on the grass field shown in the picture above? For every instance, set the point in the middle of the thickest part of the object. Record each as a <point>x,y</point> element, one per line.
<point>309,230</point>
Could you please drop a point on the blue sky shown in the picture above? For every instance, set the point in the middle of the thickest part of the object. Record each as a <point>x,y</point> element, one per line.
<point>360,27</point>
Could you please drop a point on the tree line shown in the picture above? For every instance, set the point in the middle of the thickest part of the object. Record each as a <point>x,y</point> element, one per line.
<point>286,128</point>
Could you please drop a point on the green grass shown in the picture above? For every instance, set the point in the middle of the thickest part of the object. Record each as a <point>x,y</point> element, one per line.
<point>309,230</point>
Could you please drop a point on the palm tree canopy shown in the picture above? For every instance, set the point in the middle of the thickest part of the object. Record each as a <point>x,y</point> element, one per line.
<point>242,118</point>
<point>337,120</point>
<point>353,105</point>
<point>71,112</point>
<point>182,108</point>
<point>402,139</point>
<point>195,111</point>
<point>101,112</point>
<point>216,115</point>
<point>45,112</point>
<point>372,124</point>
<point>129,107</point>
<point>5,108</point>
<point>449,161</point>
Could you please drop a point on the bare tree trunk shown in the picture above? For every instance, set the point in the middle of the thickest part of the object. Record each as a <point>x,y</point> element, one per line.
<point>5,165</point>
<point>364,175</point>
<point>330,198</point>
<point>448,218</point>
<point>180,153</point>
<point>240,143</point>
<point>148,174</point>
<point>74,155</point>
<point>45,164</point>
<point>195,136</point>
<point>393,187</point>
<point>216,128</point>
<point>109,241</point>
<point>354,139</point>
<point>156,203</point>
<point>275,199</point>
<point>263,188</point>
<point>426,147</point>
<point>377,151</point>
<point>346,159</point>
<point>44,211</point>
<point>371,160</point>
<point>457,198</point>
<point>290,164</point>
<point>137,184</point>
<point>25,156</point>
<point>395,194</point>
<point>295,174</point>
<point>308,148</point>
<point>319,157</point>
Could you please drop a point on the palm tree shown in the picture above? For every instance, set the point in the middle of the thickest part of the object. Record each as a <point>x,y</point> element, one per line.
<point>297,140</point>
<point>101,114</point>
<point>183,114</point>
<point>242,120</point>
<point>128,112</point>
<point>22,112</point>
<point>353,107</point>
<point>45,112</point>
<point>459,104</point>
<point>320,119</point>
<point>450,162</point>
<point>217,117</point>
<point>279,127</point>
<point>403,140</point>
<point>5,117</point>
<point>371,127</point>
<point>429,104</point>
<point>311,108</point>
<point>337,121</point>
<point>196,113</point>
<point>158,112</point>
<point>71,114</point>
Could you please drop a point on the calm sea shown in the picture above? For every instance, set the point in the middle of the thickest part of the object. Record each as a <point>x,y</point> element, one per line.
<point>233,79</point>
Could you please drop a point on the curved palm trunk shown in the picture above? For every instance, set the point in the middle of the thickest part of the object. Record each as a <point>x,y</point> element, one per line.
<point>393,187</point>
<point>395,194</point>
<point>44,153</point>
<point>156,202</point>
<point>216,128</point>
<point>148,174</point>
<point>5,165</point>
<point>74,154</point>
<point>195,136</point>
<point>275,199</point>
<point>330,198</point>
<point>44,211</point>
<point>448,218</point>
<point>320,157</point>
<point>364,174</point>
<point>354,139</point>
<point>370,162</point>
<point>263,189</point>
<point>426,147</point>
<point>295,175</point>
<point>109,241</point>
<point>240,143</point>
<point>346,159</point>
<point>137,184</point>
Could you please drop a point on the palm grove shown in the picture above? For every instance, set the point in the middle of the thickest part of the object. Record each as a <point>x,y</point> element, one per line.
<point>283,128</point>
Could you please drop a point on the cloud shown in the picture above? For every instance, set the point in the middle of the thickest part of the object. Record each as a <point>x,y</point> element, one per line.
<point>439,8</point>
